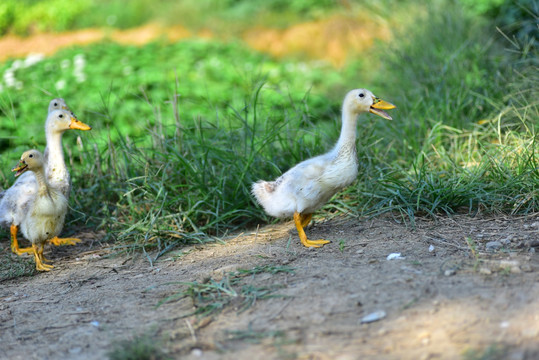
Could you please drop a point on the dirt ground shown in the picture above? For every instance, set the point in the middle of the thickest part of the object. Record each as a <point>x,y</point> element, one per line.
<point>337,37</point>
<point>448,297</point>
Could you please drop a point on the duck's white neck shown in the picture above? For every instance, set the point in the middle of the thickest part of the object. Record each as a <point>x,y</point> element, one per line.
<point>347,139</point>
<point>54,156</point>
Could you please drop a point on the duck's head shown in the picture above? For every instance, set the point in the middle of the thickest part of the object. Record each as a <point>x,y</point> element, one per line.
<point>362,100</point>
<point>30,160</point>
<point>58,104</point>
<point>62,120</point>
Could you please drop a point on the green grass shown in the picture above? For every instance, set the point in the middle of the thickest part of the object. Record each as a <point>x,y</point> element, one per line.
<point>127,89</point>
<point>492,352</point>
<point>139,348</point>
<point>178,141</point>
<point>13,266</point>
<point>229,16</point>
<point>465,137</point>
<point>255,337</point>
<point>212,296</point>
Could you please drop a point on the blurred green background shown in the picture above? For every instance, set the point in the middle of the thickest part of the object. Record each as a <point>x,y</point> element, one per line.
<point>192,101</point>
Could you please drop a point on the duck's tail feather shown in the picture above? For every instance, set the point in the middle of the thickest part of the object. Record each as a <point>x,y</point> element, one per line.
<point>262,191</point>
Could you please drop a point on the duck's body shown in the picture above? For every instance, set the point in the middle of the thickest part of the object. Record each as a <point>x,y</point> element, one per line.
<point>309,185</point>
<point>14,201</point>
<point>46,209</point>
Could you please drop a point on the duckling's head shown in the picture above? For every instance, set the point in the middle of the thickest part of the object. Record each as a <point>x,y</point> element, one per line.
<point>58,104</point>
<point>30,160</point>
<point>362,100</point>
<point>62,120</point>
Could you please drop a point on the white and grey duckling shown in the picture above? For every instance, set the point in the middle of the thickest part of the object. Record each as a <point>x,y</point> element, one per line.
<point>306,187</point>
<point>45,210</point>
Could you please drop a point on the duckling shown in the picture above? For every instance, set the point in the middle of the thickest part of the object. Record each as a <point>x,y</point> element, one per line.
<point>306,187</point>
<point>45,210</point>
<point>13,200</point>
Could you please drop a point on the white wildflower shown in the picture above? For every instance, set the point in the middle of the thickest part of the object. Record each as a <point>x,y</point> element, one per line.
<point>17,64</point>
<point>78,70</point>
<point>80,77</point>
<point>303,67</point>
<point>9,78</point>
<point>60,84</point>
<point>33,59</point>
<point>128,70</point>
<point>79,60</point>
<point>111,20</point>
<point>215,62</point>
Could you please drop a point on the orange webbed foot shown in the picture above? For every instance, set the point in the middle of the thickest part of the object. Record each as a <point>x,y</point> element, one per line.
<point>301,221</point>
<point>64,241</point>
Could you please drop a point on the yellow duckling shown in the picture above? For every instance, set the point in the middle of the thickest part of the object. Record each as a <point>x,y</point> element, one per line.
<point>306,187</point>
<point>14,199</point>
<point>45,212</point>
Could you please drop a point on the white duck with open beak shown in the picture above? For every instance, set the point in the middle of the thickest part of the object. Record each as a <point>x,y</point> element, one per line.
<point>306,187</point>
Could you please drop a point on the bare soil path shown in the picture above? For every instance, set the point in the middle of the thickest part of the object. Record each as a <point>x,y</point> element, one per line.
<point>440,300</point>
<point>337,38</point>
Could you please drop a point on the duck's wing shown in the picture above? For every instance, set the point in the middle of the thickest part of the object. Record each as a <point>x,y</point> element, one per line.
<point>14,201</point>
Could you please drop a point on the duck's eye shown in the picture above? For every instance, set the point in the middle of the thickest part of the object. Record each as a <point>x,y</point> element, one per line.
<point>61,115</point>
<point>31,155</point>
<point>361,95</point>
<point>55,104</point>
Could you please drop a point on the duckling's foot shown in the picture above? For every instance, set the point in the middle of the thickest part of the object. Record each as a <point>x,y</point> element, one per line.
<point>38,256</point>
<point>44,260</point>
<point>41,256</point>
<point>19,251</point>
<point>299,220</point>
<point>15,244</point>
<point>43,267</point>
<point>63,241</point>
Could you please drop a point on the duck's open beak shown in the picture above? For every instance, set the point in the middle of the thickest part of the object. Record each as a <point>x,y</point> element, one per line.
<point>20,169</point>
<point>78,125</point>
<point>378,106</point>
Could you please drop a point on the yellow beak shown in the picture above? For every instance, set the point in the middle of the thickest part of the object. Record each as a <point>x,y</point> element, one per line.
<point>78,125</point>
<point>379,105</point>
<point>20,169</point>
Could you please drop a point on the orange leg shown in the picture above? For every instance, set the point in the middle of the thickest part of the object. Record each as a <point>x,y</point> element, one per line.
<point>305,219</point>
<point>300,220</point>
<point>42,257</point>
<point>15,244</point>
<point>38,255</point>
<point>63,241</point>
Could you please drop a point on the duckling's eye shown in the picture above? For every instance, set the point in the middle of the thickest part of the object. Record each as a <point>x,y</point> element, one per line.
<point>55,104</point>
<point>61,115</point>
<point>361,95</point>
<point>31,155</point>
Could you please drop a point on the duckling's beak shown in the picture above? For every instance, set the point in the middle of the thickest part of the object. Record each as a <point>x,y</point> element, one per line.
<point>78,125</point>
<point>21,168</point>
<point>378,105</point>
